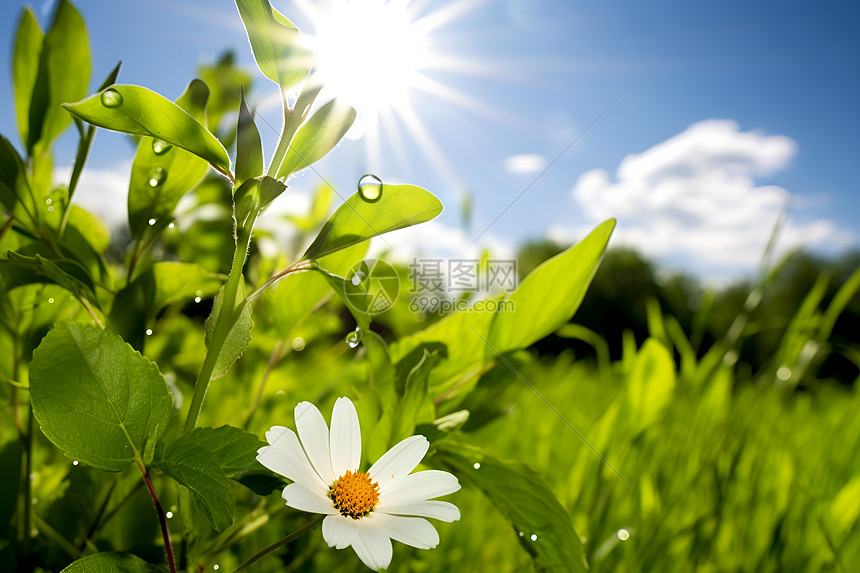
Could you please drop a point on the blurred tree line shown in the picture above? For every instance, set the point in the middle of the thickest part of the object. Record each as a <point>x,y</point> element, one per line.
<point>626,281</point>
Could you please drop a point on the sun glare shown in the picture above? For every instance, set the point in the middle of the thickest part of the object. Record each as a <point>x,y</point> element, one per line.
<point>369,53</point>
<point>373,54</point>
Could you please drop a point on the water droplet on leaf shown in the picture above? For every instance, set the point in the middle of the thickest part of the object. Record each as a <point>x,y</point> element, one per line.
<point>197,299</point>
<point>477,466</point>
<point>50,208</point>
<point>533,537</point>
<point>623,534</point>
<point>151,222</point>
<point>354,338</point>
<point>149,332</point>
<point>171,226</point>
<point>51,300</point>
<point>111,98</point>
<point>370,188</point>
<point>157,177</point>
<point>74,463</point>
<point>47,201</point>
<point>160,147</point>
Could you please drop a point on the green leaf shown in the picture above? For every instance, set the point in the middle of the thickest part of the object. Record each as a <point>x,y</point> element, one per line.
<point>253,196</point>
<point>317,136</point>
<point>650,385</point>
<point>238,337</point>
<point>95,398</point>
<point>414,396</point>
<point>139,111</point>
<point>462,340</point>
<point>67,273</point>
<point>162,174</point>
<point>25,66</point>
<point>166,282</point>
<point>523,497</point>
<point>249,148</point>
<point>358,220</point>
<point>195,467</point>
<point>275,42</point>
<point>112,562</point>
<point>549,295</point>
<point>15,193</point>
<point>63,76</point>
<point>234,449</point>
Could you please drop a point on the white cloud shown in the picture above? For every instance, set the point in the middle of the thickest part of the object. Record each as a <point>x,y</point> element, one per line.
<point>693,197</point>
<point>103,192</point>
<point>525,163</point>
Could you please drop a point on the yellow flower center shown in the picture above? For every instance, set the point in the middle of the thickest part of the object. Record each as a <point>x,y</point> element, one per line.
<point>354,494</point>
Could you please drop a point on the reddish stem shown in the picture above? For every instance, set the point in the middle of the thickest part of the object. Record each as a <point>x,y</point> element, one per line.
<point>168,548</point>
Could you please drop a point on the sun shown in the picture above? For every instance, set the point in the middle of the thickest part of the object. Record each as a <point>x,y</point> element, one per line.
<point>370,53</point>
<point>374,54</point>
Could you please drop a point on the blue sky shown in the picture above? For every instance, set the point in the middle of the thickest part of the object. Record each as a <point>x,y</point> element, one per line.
<point>733,110</point>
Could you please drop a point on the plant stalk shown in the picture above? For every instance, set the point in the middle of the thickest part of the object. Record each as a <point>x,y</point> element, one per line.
<point>292,536</point>
<point>224,324</point>
<point>162,519</point>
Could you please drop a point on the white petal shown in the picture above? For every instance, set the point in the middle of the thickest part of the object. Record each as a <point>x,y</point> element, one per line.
<point>299,497</point>
<point>441,510</point>
<point>418,487</point>
<point>286,457</point>
<point>314,434</point>
<point>397,462</point>
<point>345,439</point>
<point>339,531</point>
<point>372,546</point>
<point>414,531</point>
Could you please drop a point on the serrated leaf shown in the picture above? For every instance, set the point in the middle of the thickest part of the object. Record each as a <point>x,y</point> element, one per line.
<point>193,466</point>
<point>63,75</point>
<point>238,337</point>
<point>174,171</point>
<point>96,398</point>
<point>234,449</point>
<point>25,66</point>
<point>140,111</point>
<point>317,136</point>
<point>112,562</point>
<point>526,500</point>
<point>549,295</point>
<point>357,220</point>
<point>275,42</point>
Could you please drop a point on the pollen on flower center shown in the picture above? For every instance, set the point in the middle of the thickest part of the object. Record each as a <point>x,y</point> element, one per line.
<point>354,494</point>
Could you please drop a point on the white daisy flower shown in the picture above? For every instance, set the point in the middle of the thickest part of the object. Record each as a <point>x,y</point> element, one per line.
<point>365,510</point>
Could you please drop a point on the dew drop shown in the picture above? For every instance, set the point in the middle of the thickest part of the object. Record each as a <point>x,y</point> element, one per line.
<point>354,338</point>
<point>160,147</point>
<point>47,201</point>
<point>784,373</point>
<point>197,299</point>
<point>533,537</point>
<point>149,332</point>
<point>157,177</point>
<point>151,222</point>
<point>111,98</point>
<point>476,465</point>
<point>74,463</point>
<point>216,567</point>
<point>370,188</point>
<point>168,515</point>
<point>51,208</point>
<point>51,300</point>
<point>623,534</point>
<point>298,344</point>
<point>171,226</point>
<point>357,277</point>
<point>521,533</point>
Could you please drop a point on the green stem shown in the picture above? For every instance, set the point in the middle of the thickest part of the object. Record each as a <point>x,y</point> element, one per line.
<point>294,535</point>
<point>283,140</point>
<point>297,267</point>
<point>84,146</point>
<point>162,519</point>
<point>57,538</point>
<point>223,325</point>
